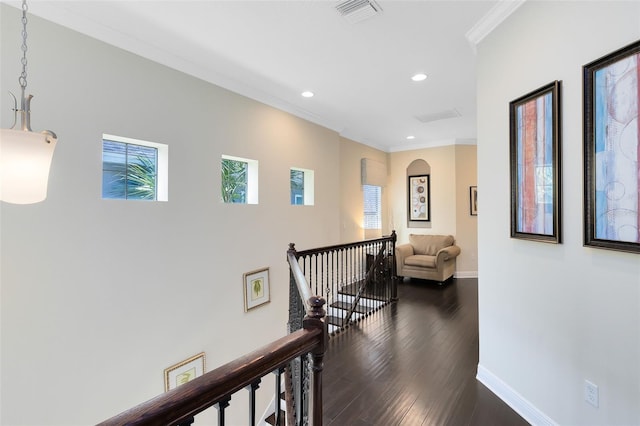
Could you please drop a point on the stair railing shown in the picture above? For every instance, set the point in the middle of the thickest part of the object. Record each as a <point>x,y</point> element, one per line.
<point>343,274</point>
<point>215,388</point>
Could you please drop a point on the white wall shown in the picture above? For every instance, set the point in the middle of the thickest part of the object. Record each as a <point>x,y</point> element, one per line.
<point>552,316</point>
<point>100,296</point>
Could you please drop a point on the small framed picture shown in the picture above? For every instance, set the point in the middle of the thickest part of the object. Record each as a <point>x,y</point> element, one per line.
<point>419,196</point>
<point>256,288</point>
<point>184,372</point>
<point>473,200</point>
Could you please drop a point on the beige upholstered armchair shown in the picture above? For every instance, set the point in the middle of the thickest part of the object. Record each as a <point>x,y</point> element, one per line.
<point>429,257</point>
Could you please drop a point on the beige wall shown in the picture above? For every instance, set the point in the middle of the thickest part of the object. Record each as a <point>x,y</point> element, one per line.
<point>453,170</point>
<point>351,198</point>
<point>466,225</point>
<point>98,296</point>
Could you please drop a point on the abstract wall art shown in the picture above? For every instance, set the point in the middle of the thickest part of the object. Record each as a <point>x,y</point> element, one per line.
<point>535,165</point>
<point>612,150</point>
<point>419,198</point>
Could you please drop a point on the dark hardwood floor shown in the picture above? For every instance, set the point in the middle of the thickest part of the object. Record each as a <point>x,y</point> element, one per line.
<point>413,363</point>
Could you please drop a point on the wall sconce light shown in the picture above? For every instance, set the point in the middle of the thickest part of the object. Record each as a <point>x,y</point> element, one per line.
<point>25,156</point>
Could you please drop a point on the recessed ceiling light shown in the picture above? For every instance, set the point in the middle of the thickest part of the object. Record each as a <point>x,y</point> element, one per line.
<point>411,137</point>
<point>419,77</point>
<point>307,94</point>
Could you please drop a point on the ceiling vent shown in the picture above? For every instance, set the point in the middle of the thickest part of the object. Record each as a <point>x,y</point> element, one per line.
<point>427,118</point>
<point>358,10</point>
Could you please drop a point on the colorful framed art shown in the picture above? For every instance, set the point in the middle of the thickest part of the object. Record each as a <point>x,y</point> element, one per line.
<point>535,124</point>
<point>612,150</point>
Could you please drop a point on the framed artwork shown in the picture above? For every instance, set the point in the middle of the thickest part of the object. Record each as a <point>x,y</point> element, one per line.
<point>612,151</point>
<point>419,198</point>
<point>183,372</point>
<point>473,200</point>
<point>534,121</point>
<point>256,288</point>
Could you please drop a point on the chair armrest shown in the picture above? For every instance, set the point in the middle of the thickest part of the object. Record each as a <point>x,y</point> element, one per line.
<point>404,250</point>
<point>447,253</point>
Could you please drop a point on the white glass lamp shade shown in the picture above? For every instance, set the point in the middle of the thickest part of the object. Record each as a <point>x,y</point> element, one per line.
<point>25,159</point>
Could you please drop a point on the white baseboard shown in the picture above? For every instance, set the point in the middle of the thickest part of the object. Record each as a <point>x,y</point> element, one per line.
<point>513,399</point>
<point>466,274</point>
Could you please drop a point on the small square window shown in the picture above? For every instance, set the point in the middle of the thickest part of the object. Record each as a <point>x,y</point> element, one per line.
<point>239,180</point>
<point>133,170</point>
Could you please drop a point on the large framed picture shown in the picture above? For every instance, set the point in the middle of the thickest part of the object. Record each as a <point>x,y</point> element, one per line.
<point>535,149</point>
<point>419,198</point>
<point>256,288</point>
<point>184,372</point>
<point>612,151</point>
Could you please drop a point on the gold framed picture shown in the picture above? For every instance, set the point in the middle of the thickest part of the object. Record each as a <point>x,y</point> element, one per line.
<point>184,372</point>
<point>256,288</point>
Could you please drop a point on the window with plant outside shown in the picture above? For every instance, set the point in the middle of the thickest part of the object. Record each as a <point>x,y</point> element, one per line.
<point>239,180</point>
<point>372,206</point>
<point>133,170</point>
<point>301,181</point>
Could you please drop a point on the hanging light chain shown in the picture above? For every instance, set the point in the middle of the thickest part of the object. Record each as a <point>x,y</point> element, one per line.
<point>23,76</point>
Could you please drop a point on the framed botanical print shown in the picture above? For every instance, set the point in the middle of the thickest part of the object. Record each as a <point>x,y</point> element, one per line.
<point>256,288</point>
<point>535,165</point>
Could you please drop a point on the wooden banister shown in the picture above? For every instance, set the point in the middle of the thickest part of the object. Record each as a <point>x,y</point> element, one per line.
<point>195,396</point>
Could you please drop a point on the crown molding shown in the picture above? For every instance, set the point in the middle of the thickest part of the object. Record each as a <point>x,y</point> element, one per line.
<point>491,20</point>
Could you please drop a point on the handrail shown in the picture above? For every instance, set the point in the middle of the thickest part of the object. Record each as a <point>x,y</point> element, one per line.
<point>303,289</point>
<point>203,392</point>
<point>391,237</point>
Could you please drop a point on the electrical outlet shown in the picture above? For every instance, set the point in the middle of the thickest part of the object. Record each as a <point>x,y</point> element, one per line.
<point>591,393</point>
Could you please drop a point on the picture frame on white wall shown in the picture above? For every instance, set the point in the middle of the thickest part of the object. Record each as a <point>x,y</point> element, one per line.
<point>535,165</point>
<point>184,371</point>
<point>611,150</point>
<point>256,288</point>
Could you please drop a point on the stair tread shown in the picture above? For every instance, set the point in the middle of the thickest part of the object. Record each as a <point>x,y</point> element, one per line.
<point>333,320</point>
<point>346,306</point>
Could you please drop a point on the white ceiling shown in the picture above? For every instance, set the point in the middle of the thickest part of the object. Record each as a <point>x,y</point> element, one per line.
<point>271,51</point>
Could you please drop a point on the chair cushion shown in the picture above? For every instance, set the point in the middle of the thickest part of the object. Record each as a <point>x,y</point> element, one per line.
<point>421,260</point>
<point>429,244</point>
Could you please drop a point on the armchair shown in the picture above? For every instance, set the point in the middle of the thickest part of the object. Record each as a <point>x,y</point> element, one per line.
<point>429,257</point>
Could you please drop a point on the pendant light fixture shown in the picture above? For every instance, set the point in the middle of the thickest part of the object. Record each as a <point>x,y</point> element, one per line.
<point>25,156</point>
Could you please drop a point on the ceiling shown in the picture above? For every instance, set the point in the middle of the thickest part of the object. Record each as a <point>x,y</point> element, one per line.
<point>272,51</point>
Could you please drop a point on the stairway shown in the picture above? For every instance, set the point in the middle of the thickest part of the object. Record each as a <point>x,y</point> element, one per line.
<point>339,309</point>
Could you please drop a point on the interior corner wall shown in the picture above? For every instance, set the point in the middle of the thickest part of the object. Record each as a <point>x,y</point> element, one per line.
<point>466,224</point>
<point>351,196</point>
<point>98,297</point>
<point>553,315</point>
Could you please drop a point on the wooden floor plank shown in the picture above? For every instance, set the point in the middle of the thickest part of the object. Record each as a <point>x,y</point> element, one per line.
<point>413,363</point>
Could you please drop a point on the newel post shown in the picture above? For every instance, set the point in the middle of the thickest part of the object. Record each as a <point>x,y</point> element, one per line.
<point>394,271</point>
<point>315,319</point>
